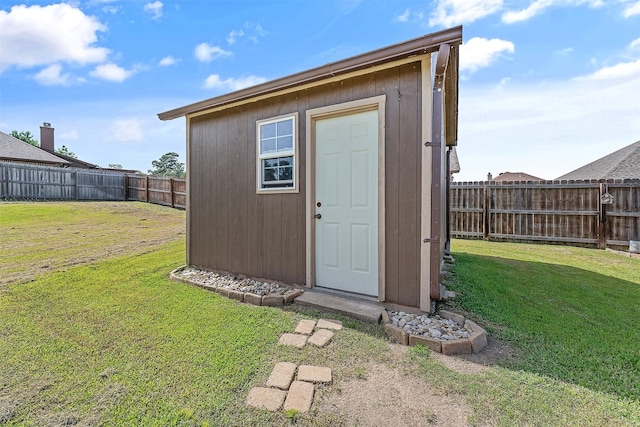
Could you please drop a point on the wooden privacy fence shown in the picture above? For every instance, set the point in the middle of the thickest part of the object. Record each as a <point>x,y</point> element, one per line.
<point>34,182</point>
<point>19,181</point>
<point>159,190</point>
<point>586,213</point>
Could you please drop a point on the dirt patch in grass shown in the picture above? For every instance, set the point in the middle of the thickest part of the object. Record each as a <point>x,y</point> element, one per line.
<point>44,237</point>
<point>381,395</point>
<point>493,353</point>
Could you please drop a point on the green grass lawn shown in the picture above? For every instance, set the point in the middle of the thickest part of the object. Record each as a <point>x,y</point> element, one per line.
<point>572,314</point>
<point>109,340</point>
<point>43,237</point>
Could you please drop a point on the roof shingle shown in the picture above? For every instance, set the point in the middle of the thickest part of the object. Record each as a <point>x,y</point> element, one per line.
<point>621,164</point>
<point>17,150</point>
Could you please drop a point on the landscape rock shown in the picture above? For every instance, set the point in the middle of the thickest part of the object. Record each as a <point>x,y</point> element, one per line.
<point>282,375</point>
<point>314,374</point>
<point>320,338</point>
<point>270,399</point>
<point>398,334</point>
<point>300,397</point>
<point>293,340</point>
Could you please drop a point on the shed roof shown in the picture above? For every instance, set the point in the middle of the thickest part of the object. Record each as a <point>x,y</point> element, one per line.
<point>621,164</point>
<point>17,150</point>
<point>428,43</point>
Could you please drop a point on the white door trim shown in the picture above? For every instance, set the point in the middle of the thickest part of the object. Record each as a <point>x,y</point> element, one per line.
<point>367,104</point>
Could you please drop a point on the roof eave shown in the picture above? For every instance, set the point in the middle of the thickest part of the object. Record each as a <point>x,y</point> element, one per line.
<point>418,46</point>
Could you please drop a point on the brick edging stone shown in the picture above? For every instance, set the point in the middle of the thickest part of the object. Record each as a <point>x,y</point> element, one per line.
<point>246,297</point>
<point>476,342</point>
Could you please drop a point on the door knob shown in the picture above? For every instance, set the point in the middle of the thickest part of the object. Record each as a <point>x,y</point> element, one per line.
<point>317,216</point>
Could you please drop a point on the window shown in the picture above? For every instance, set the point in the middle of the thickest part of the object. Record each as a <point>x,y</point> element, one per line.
<point>277,163</point>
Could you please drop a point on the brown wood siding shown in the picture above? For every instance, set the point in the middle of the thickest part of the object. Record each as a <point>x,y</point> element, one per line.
<point>263,235</point>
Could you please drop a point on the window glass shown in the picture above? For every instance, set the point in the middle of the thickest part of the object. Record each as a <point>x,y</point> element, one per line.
<point>285,143</point>
<point>276,154</point>
<point>268,130</point>
<point>285,127</point>
<point>268,146</point>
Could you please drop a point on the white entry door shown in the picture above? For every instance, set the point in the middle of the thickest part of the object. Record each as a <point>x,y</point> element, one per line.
<point>346,204</point>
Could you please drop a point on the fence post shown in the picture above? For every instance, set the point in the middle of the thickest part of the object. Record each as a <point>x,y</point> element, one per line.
<point>486,225</point>
<point>4,183</point>
<point>602,218</point>
<point>75,174</point>
<point>146,189</point>
<point>171,190</point>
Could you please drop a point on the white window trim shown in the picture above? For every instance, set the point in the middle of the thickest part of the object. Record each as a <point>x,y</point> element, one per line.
<point>293,152</point>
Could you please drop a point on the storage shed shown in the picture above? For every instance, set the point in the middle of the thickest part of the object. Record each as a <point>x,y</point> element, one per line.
<point>335,177</point>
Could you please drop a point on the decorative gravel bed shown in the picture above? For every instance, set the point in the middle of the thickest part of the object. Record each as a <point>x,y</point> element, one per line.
<point>247,290</point>
<point>446,332</point>
<point>434,327</point>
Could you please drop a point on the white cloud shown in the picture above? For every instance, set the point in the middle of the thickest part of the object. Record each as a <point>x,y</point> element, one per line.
<point>71,135</point>
<point>479,52</point>
<point>260,32</point>
<point>404,17</point>
<point>111,72</point>
<point>538,6</point>
<point>214,82</point>
<point>521,130</point>
<point>204,52</point>
<point>37,35</point>
<point>167,61</point>
<point>155,9</point>
<point>503,83</point>
<point>532,10</point>
<point>564,52</point>
<point>623,70</point>
<point>52,76</point>
<point>250,31</point>
<point>632,10</point>
<point>234,36</point>
<point>409,16</point>
<point>635,44</point>
<point>455,12</point>
<point>111,9</point>
<point>127,130</point>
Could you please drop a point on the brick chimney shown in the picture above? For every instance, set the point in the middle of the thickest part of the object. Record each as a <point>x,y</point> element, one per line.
<point>46,137</point>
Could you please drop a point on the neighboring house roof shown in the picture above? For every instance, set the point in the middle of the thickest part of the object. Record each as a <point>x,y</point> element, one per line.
<point>14,149</point>
<point>77,163</point>
<point>621,164</point>
<point>515,176</point>
<point>454,163</point>
<point>429,43</point>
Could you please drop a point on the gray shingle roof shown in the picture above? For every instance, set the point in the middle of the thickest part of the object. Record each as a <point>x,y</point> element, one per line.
<point>16,150</point>
<point>515,176</point>
<point>621,164</point>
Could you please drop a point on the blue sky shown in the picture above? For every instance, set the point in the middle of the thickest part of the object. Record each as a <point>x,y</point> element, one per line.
<point>546,85</point>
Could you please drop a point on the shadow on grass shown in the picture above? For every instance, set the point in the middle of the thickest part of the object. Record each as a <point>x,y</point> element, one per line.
<point>567,323</point>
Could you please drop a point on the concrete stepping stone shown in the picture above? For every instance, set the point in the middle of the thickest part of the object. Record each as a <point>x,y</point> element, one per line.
<point>282,375</point>
<point>321,337</point>
<point>270,399</point>
<point>329,324</point>
<point>314,374</point>
<point>294,340</point>
<point>300,397</point>
<point>305,327</point>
